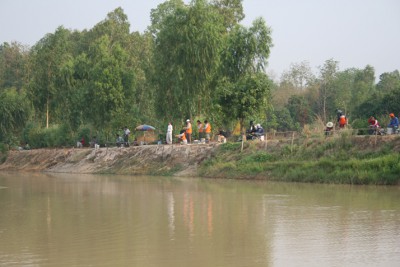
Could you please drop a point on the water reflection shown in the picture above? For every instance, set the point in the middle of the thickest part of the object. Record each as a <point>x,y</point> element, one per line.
<point>87,220</point>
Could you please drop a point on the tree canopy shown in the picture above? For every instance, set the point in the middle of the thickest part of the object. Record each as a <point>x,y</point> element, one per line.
<point>195,60</point>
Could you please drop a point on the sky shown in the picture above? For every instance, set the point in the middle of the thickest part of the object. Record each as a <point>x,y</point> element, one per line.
<point>356,33</point>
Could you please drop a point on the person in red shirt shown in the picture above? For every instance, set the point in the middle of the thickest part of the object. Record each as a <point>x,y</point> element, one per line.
<point>373,125</point>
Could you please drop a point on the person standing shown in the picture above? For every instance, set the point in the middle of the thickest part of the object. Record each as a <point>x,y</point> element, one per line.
<point>207,130</point>
<point>126,136</point>
<point>169,133</point>
<point>342,121</point>
<point>200,129</point>
<point>188,131</point>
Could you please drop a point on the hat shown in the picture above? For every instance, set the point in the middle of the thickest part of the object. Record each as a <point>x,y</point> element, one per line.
<point>391,115</point>
<point>187,120</point>
<point>329,124</point>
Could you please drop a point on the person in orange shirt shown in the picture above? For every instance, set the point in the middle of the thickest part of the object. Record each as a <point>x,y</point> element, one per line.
<point>207,130</point>
<point>342,121</point>
<point>188,129</point>
<point>182,137</point>
<point>200,129</point>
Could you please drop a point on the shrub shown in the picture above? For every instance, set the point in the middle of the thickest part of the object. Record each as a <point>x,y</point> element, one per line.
<point>55,136</point>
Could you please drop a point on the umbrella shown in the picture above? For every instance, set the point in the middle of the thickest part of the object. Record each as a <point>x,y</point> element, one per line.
<point>145,128</point>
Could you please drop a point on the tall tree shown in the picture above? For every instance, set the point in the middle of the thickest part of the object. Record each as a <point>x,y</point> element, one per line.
<point>106,69</point>
<point>299,109</point>
<point>49,55</point>
<point>187,48</point>
<point>388,81</point>
<point>13,65</point>
<point>105,83</point>
<point>328,73</point>
<point>364,85</point>
<point>14,112</point>
<point>299,76</point>
<point>248,97</point>
<point>247,50</point>
<point>230,10</point>
<point>243,62</point>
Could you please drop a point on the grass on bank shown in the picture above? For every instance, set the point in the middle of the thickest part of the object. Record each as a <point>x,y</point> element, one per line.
<point>345,159</point>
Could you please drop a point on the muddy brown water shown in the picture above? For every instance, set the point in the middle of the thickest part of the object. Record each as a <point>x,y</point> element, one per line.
<point>88,220</point>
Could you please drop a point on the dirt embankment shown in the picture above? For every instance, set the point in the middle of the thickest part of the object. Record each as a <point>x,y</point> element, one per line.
<point>155,160</point>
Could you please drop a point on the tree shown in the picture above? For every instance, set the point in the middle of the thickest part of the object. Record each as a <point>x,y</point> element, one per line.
<point>13,65</point>
<point>230,10</point>
<point>14,112</point>
<point>327,77</point>
<point>299,76</point>
<point>299,109</point>
<point>247,97</point>
<point>243,84</point>
<point>187,47</point>
<point>106,72</point>
<point>364,85</point>
<point>105,96</point>
<point>285,121</point>
<point>388,81</point>
<point>50,54</point>
<point>246,51</point>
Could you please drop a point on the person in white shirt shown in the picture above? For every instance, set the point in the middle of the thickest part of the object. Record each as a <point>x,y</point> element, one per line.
<point>126,136</point>
<point>169,133</point>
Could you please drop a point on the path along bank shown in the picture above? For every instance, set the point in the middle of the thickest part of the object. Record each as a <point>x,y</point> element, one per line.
<point>340,159</point>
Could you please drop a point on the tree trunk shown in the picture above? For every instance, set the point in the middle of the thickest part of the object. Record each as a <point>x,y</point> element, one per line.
<point>47,113</point>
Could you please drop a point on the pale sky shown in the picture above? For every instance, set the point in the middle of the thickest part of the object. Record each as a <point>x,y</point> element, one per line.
<point>353,32</point>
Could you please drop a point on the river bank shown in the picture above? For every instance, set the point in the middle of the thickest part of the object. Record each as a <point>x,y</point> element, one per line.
<point>341,159</point>
<point>136,160</point>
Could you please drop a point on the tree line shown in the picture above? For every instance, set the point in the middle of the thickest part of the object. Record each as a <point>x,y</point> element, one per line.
<point>194,61</point>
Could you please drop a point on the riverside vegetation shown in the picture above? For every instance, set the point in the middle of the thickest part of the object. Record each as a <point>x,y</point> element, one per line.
<point>344,159</point>
<point>341,159</point>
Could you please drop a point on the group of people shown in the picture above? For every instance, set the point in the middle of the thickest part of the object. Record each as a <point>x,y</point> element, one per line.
<point>255,131</point>
<point>372,123</point>
<point>341,121</point>
<point>93,143</point>
<point>185,135</point>
<point>123,141</point>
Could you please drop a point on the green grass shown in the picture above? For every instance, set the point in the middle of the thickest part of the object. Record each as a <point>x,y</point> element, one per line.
<point>340,160</point>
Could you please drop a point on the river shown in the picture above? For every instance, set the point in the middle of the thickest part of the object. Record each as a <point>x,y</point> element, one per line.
<point>109,220</point>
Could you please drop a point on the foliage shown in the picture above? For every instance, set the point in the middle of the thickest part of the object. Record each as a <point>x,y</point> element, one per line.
<point>299,109</point>
<point>285,121</point>
<point>247,98</point>
<point>187,45</point>
<point>54,136</point>
<point>14,65</point>
<point>14,112</point>
<point>338,160</point>
<point>195,61</point>
<point>299,76</point>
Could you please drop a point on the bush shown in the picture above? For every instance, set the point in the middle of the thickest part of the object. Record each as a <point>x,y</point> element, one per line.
<point>231,146</point>
<point>55,136</point>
